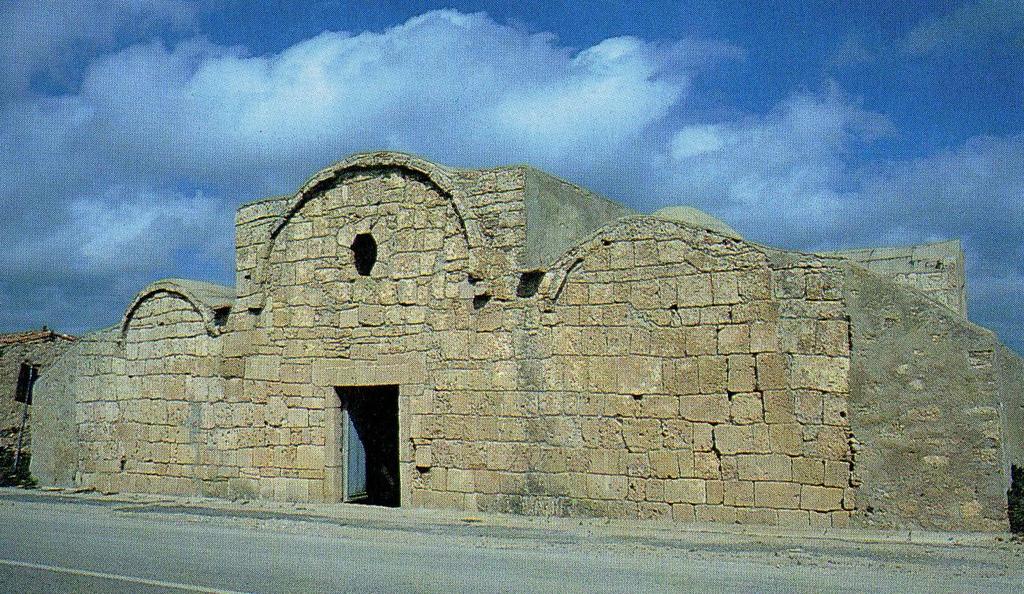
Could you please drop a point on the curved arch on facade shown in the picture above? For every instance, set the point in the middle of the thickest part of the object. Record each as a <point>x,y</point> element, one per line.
<point>180,289</point>
<point>562,269</point>
<point>434,175</point>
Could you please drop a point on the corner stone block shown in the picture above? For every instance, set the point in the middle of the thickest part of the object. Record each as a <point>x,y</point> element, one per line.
<point>831,443</point>
<point>837,474</point>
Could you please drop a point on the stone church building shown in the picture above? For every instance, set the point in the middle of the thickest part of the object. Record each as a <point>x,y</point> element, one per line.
<point>403,333</point>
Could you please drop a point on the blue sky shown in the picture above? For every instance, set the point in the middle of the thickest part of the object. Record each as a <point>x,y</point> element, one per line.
<point>133,128</point>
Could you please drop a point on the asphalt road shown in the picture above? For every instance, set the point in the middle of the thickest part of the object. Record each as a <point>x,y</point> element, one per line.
<point>51,544</point>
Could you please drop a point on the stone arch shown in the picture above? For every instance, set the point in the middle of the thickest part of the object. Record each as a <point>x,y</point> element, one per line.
<point>562,269</point>
<point>434,175</point>
<point>204,298</point>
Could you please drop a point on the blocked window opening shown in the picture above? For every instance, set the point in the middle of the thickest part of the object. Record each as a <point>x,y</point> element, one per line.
<point>27,376</point>
<point>529,283</point>
<point>364,248</point>
<point>220,316</point>
<point>481,300</point>
<point>1015,499</point>
<point>369,445</point>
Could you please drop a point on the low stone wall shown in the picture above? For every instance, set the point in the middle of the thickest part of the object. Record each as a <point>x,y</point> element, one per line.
<point>91,369</point>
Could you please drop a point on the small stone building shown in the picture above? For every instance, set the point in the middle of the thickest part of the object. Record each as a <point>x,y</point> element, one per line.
<point>404,333</point>
<point>23,357</point>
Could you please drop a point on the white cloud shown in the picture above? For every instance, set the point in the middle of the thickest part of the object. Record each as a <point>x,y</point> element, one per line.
<point>126,231</point>
<point>42,36</point>
<point>786,168</point>
<point>696,140</point>
<point>789,178</point>
<point>443,80</point>
<point>967,24</point>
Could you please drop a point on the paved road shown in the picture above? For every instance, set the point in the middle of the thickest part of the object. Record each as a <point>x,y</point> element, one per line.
<point>52,544</point>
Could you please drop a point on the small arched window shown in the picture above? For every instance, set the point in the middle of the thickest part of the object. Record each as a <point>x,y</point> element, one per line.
<point>364,249</point>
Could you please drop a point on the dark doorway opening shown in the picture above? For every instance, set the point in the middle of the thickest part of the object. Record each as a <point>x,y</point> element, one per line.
<point>27,376</point>
<point>370,445</point>
<point>1015,499</point>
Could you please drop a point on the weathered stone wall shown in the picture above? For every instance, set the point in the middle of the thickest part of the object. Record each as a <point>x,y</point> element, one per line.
<point>40,350</point>
<point>321,311</point>
<point>67,428</point>
<point>652,383</point>
<point>253,224</point>
<point>925,409</point>
<point>1010,369</point>
<point>660,371</point>
<point>161,424</point>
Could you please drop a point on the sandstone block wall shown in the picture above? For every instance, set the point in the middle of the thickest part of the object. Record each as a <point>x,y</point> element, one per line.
<point>655,381</point>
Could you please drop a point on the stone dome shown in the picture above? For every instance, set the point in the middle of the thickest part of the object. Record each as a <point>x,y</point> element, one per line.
<point>697,218</point>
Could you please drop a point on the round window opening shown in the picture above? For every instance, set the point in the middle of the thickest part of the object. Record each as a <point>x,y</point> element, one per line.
<point>364,248</point>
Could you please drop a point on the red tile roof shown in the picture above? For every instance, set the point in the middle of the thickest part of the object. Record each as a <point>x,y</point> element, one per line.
<point>33,336</point>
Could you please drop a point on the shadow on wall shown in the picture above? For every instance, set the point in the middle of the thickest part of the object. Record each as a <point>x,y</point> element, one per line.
<point>11,476</point>
<point>1015,499</point>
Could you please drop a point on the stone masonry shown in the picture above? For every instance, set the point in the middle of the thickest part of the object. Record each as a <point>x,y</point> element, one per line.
<point>554,353</point>
<point>38,349</point>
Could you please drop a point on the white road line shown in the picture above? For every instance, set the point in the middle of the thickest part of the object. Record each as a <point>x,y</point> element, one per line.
<point>114,576</point>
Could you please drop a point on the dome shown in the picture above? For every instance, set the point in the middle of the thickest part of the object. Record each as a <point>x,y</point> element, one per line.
<point>697,218</point>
